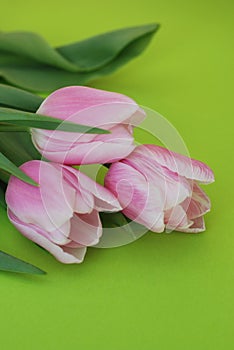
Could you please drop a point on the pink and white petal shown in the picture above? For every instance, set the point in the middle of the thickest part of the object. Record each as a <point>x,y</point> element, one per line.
<point>58,197</point>
<point>86,229</point>
<point>111,116</point>
<point>60,235</point>
<point>199,196</point>
<point>197,226</point>
<point>110,206</point>
<point>153,220</point>
<point>58,140</point>
<point>84,202</point>
<point>57,237</point>
<point>176,192</point>
<point>198,205</point>
<point>176,219</point>
<point>140,202</point>
<point>30,231</point>
<point>78,253</point>
<point>178,163</point>
<point>61,140</point>
<point>90,153</point>
<point>104,200</point>
<point>73,244</point>
<point>95,107</point>
<point>105,115</point>
<point>120,133</point>
<point>174,189</point>
<point>50,205</point>
<point>137,118</point>
<point>125,183</point>
<point>66,101</point>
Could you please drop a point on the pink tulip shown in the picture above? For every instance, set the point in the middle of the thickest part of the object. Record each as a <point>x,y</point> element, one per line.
<point>160,189</point>
<point>62,214</point>
<point>96,108</point>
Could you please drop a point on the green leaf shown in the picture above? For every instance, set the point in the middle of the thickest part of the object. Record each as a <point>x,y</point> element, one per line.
<point>33,47</point>
<point>6,127</point>
<point>18,147</point>
<point>12,264</point>
<point>17,117</point>
<point>98,51</point>
<point>19,99</point>
<point>92,58</point>
<point>11,168</point>
<point>34,77</point>
<point>2,198</point>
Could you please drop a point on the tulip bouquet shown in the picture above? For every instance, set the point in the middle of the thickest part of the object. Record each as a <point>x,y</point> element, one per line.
<point>49,198</point>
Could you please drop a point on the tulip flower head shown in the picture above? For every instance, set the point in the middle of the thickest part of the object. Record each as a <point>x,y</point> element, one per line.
<point>160,189</point>
<point>96,108</point>
<point>62,213</point>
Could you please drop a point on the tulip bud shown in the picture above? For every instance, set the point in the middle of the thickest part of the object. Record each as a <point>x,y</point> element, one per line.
<point>159,189</point>
<point>62,213</point>
<point>95,108</point>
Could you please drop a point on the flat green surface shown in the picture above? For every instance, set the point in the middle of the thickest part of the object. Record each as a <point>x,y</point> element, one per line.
<point>164,291</point>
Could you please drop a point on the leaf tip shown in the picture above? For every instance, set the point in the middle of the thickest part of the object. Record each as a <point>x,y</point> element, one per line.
<point>154,26</point>
<point>41,272</point>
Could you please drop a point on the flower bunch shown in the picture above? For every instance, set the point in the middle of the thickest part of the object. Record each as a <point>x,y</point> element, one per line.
<point>151,185</point>
<point>45,143</point>
<point>28,61</point>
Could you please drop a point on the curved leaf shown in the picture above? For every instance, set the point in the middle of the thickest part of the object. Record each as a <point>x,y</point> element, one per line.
<point>98,51</point>
<point>11,168</point>
<point>12,264</point>
<point>34,47</point>
<point>94,57</point>
<point>19,148</point>
<point>34,77</point>
<point>19,99</point>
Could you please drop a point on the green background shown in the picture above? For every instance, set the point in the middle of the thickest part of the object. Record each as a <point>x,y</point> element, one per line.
<point>163,291</point>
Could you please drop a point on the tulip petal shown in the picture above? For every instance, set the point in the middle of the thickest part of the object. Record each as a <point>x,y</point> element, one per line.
<point>178,163</point>
<point>40,205</point>
<point>176,219</point>
<point>73,244</point>
<point>140,202</point>
<point>104,200</point>
<point>198,205</point>
<point>71,100</point>
<point>94,108</point>
<point>137,117</point>
<point>106,114</point>
<point>60,235</point>
<point>63,140</point>
<point>197,226</point>
<point>89,153</point>
<point>174,188</point>
<point>63,254</point>
<point>77,253</point>
<point>47,140</point>
<point>121,133</point>
<point>86,229</point>
<point>84,202</point>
